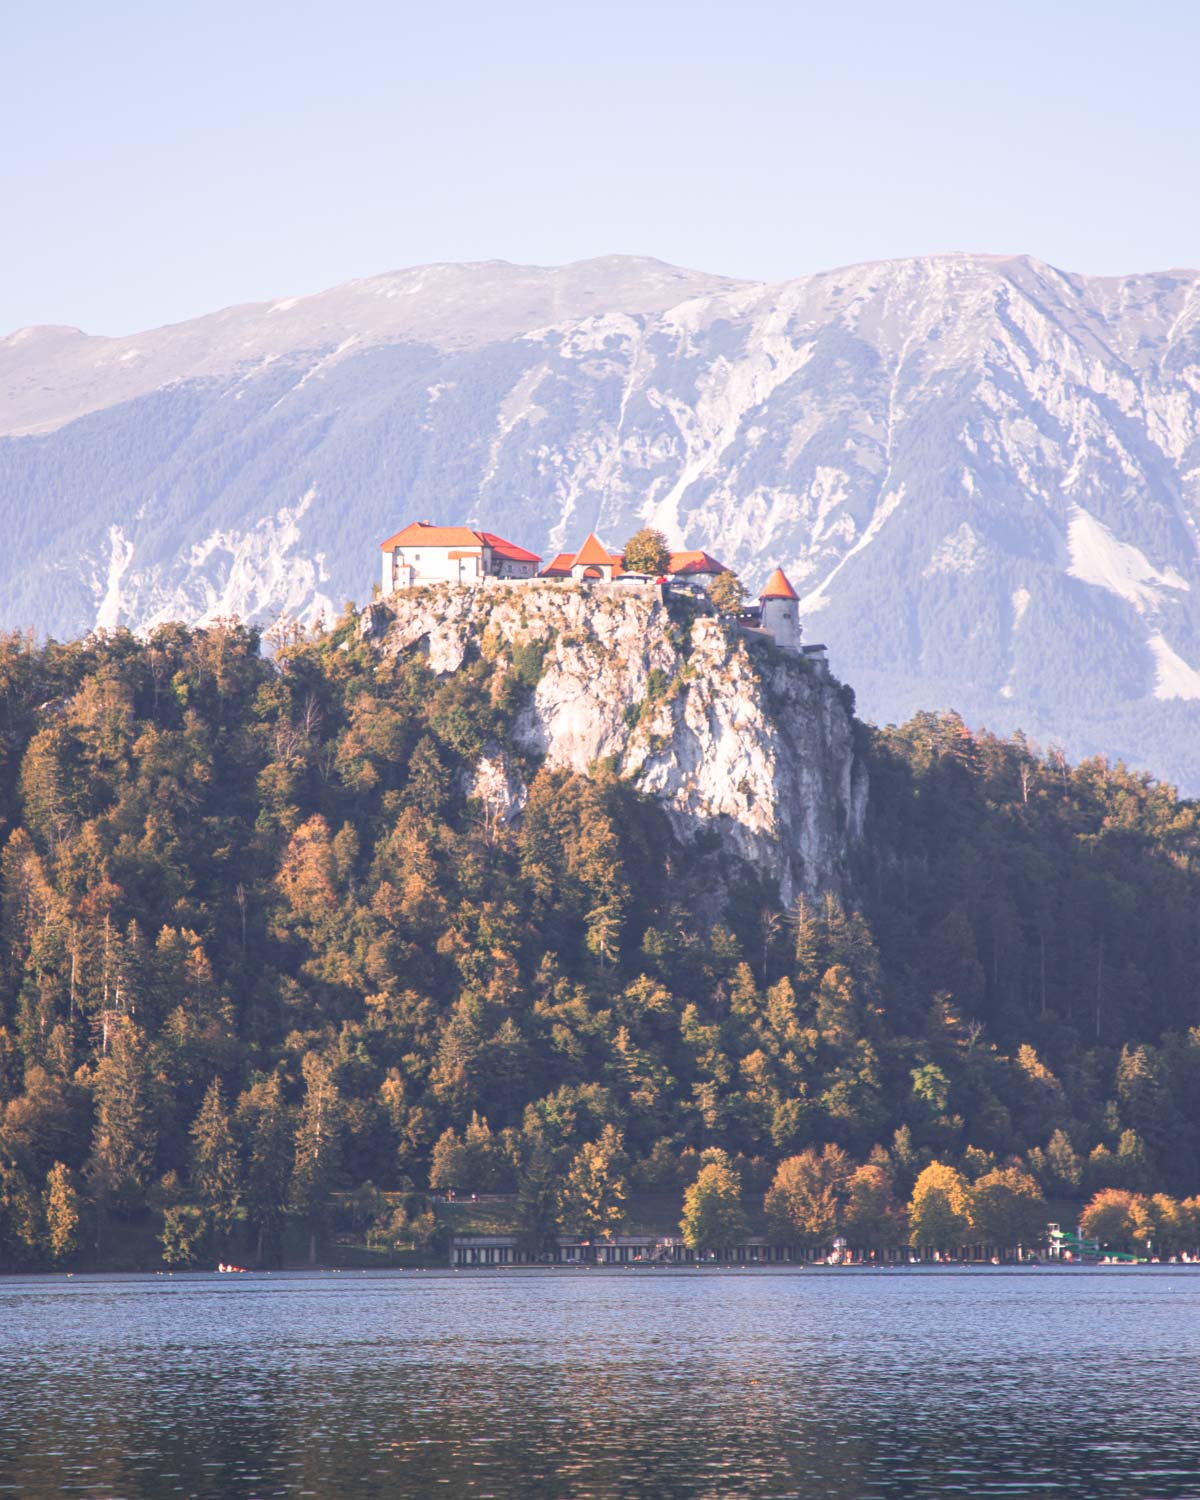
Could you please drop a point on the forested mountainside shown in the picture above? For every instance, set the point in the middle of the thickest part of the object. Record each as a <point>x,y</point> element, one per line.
<point>981,471</point>
<point>260,948</point>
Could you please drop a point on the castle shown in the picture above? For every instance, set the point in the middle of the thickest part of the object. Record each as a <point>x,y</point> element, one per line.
<point>424,553</point>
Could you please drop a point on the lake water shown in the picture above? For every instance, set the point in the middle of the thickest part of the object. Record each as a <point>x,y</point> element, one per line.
<point>843,1384</point>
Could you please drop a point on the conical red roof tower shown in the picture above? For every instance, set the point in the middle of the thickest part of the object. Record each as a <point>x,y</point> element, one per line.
<point>777,587</point>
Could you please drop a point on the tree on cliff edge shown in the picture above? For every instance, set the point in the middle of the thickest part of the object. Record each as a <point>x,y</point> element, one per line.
<point>646,551</point>
<point>727,593</point>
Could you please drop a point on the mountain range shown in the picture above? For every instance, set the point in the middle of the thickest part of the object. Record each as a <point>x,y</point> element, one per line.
<point>981,473</point>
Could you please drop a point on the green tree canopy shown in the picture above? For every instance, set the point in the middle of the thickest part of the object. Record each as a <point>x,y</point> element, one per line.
<point>123,1139</point>
<point>874,1218</point>
<point>713,1217</point>
<point>215,865</point>
<point>592,1201</point>
<point>317,1157</point>
<point>216,1171</point>
<point>727,592</point>
<point>646,551</point>
<point>62,1212</point>
<point>806,1201</point>
<point>1108,1218</point>
<point>938,1212</point>
<point>1006,1208</point>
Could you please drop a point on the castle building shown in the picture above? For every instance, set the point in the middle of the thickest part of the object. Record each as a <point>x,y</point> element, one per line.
<point>592,561</point>
<point>693,567</point>
<point>425,553</point>
<point>781,611</point>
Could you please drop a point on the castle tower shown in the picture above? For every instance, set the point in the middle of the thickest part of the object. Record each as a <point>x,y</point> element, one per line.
<point>592,561</point>
<point>781,611</point>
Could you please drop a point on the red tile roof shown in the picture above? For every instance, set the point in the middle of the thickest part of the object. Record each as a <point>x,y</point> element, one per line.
<point>694,562</point>
<point>593,552</point>
<point>560,566</point>
<point>778,587</point>
<point>423,534</point>
<point>510,550</point>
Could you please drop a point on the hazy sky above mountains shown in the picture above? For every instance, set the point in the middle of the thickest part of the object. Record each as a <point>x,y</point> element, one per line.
<point>163,161</point>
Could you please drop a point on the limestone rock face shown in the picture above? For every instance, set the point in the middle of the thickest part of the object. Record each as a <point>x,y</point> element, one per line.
<point>728,733</point>
<point>496,784</point>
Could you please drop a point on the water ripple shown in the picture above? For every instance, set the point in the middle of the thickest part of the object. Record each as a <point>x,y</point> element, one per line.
<point>898,1386</point>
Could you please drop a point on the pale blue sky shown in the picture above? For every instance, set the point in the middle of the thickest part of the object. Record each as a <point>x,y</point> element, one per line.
<point>160,160</point>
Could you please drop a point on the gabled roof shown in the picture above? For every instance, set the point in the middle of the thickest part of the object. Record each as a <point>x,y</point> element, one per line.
<point>510,550</point>
<point>593,552</point>
<point>694,562</point>
<point>778,587</point>
<point>560,566</point>
<point>424,534</point>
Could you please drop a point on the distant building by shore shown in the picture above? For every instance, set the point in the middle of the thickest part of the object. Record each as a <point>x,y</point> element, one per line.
<point>479,1251</point>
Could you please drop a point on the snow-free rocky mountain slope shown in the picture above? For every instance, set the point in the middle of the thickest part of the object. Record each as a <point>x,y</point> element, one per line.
<point>983,473</point>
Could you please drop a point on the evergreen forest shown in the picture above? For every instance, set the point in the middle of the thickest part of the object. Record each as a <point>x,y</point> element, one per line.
<point>269,977</point>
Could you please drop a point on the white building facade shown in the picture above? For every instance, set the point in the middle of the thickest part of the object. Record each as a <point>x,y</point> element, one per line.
<point>425,553</point>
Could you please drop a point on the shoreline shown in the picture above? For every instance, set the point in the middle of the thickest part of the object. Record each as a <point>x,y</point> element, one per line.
<point>297,1273</point>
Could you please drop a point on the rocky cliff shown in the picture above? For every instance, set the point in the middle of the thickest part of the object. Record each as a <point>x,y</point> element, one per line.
<point>729,733</point>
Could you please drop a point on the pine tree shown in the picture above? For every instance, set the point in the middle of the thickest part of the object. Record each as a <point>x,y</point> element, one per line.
<point>266,1129</point>
<point>62,1212</point>
<point>184,1231</point>
<point>1064,1162</point>
<point>22,1229</point>
<point>537,1202</point>
<point>318,1148</point>
<point>810,954</point>
<point>448,1163</point>
<point>123,1140</point>
<point>47,788</point>
<point>215,1174</point>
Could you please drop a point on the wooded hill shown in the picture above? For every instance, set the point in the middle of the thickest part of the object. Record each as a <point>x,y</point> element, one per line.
<point>261,958</point>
